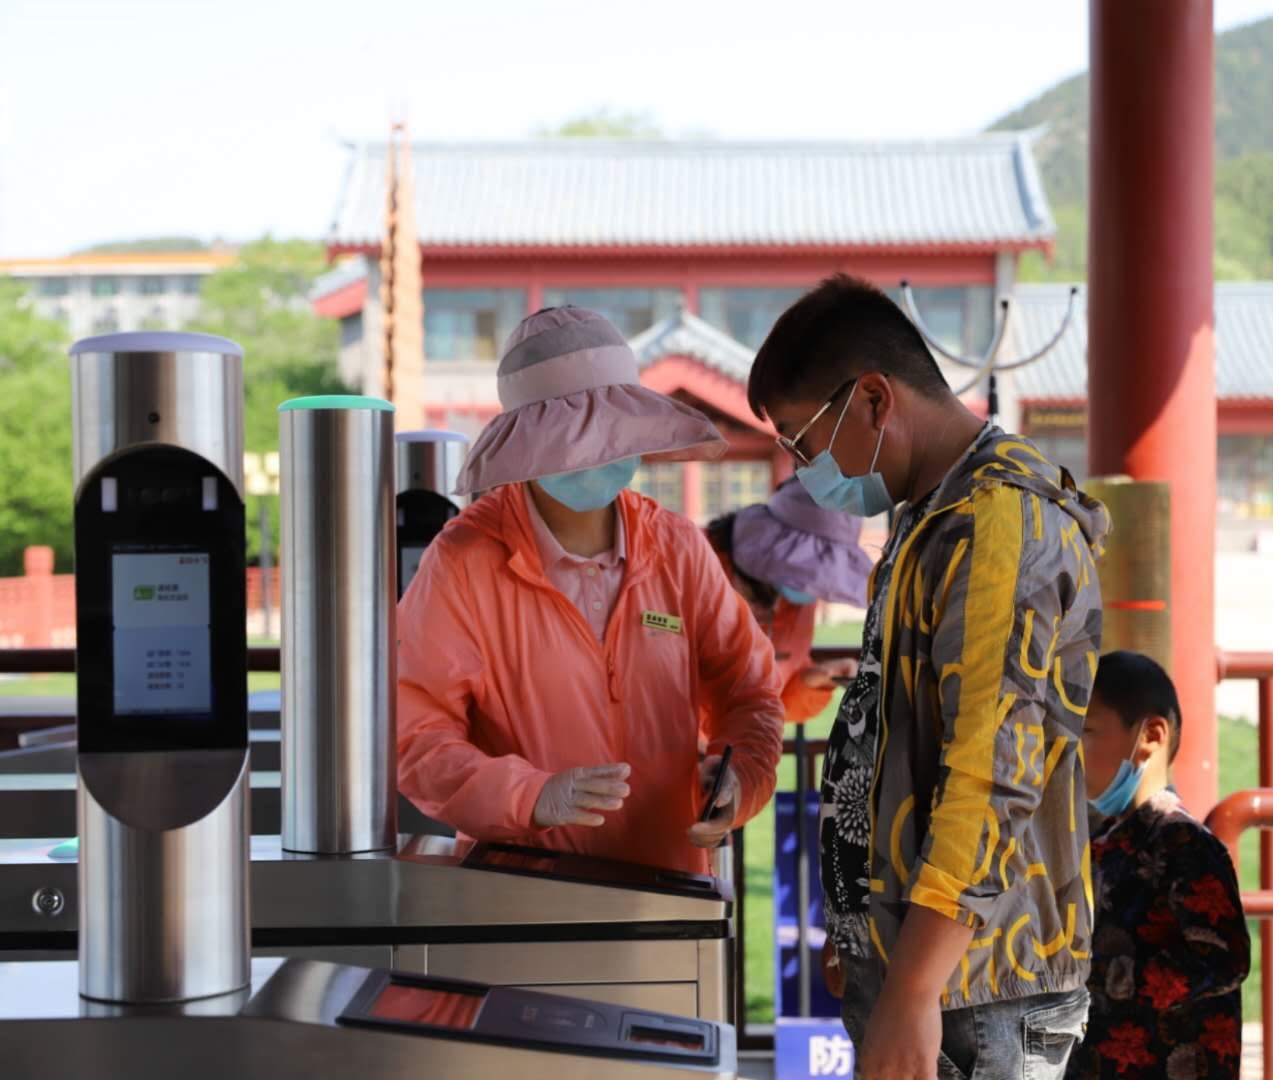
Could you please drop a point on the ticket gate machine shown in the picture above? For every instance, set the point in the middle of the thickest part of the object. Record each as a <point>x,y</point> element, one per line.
<point>635,936</point>
<point>302,1019</point>
<point>563,924</point>
<point>162,740</point>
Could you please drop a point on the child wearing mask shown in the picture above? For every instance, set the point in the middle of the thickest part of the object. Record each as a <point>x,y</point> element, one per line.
<point>1171,947</point>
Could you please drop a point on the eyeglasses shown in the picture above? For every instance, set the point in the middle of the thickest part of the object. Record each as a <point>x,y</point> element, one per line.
<point>790,445</point>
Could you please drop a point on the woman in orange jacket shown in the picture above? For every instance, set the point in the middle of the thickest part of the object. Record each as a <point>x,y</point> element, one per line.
<point>560,633</point>
<point>783,556</point>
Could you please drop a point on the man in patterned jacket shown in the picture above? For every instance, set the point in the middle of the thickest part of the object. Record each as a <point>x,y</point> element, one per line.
<point>955,852</point>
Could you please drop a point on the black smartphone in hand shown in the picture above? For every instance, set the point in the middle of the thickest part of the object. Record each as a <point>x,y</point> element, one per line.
<point>717,784</point>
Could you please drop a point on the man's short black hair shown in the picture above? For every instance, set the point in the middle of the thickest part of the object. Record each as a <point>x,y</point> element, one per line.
<point>1135,687</point>
<point>842,328</point>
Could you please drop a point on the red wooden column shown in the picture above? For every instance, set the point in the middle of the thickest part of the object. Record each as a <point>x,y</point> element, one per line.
<point>1151,359</point>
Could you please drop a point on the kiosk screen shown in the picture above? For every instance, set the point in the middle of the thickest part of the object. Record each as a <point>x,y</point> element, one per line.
<point>162,632</point>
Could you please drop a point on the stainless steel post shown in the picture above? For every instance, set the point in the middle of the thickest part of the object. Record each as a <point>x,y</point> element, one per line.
<point>163,908</point>
<point>339,638</point>
<point>430,461</point>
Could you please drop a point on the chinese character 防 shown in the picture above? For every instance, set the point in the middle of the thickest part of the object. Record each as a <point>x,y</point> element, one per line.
<point>830,1056</point>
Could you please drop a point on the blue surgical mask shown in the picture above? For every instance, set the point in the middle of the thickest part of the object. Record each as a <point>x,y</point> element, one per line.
<point>591,489</point>
<point>1116,798</point>
<point>863,496</point>
<point>795,596</point>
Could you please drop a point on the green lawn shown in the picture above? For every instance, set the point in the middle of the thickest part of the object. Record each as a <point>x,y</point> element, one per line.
<point>1239,744</point>
<point>64,685</point>
<point>1239,770</point>
<point>38,686</point>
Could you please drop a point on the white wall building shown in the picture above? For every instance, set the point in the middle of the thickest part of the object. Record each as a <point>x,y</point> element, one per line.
<point>105,293</point>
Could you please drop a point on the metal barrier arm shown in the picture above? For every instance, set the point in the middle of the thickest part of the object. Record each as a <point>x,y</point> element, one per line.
<point>981,363</point>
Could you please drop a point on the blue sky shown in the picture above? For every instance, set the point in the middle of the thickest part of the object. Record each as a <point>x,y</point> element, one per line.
<point>134,117</point>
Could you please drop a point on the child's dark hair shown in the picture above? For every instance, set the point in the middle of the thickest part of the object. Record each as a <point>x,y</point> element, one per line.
<point>720,534</point>
<point>1135,687</point>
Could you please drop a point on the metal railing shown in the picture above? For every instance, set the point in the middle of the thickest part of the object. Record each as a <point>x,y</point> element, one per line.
<point>1228,820</point>
<point>1254,809</point>
<point>62,661</point>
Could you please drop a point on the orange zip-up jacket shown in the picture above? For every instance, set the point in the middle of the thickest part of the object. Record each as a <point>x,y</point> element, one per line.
<point>501,683</point>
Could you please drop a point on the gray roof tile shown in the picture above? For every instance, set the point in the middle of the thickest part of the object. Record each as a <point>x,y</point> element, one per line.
<point>1244,342</point>
<point>684,334</point>
<point>980,190</point>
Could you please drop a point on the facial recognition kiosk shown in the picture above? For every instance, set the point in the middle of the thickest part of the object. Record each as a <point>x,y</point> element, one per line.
<point>427,467</point>
<point>161,667</point>
<point>339,884</point>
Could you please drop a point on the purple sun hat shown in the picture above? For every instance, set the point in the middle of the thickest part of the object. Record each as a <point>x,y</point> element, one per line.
<point>792,541</point>
<point>572,400</point>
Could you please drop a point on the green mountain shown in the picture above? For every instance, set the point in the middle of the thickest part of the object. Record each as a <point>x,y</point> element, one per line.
<point>1244,159</point>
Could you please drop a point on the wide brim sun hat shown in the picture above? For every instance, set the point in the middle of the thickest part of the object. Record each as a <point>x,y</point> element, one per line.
<point>792,541</point>
<point>572,400</point>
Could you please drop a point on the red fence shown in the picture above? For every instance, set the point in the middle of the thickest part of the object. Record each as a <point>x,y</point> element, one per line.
<point>37,611</point>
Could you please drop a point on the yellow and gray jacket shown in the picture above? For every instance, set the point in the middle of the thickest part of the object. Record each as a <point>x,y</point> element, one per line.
<point>991,634</point>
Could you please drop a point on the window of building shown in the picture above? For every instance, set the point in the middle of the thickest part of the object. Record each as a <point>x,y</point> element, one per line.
<point>1060,433</point>
<point>351,329</point>
<point>665,484</point>
<point>470,324</point>
<point>746,314</point>
<point>631,310</point>
<point>1066,448</point>
<point>731,485</point>
<point>106,322</point>
<point>153,285</point>
<point>188,284</point>
<point>1245,477</point>
<point>106,285</point>
<point>52,286</point>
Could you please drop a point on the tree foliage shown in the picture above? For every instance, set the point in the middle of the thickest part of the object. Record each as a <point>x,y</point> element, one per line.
<point>262,303</point>
<point>1244,147</point>
<point>1244,217</point>
<point>146,244</point>
<point>35,433</point>
<point>606,123</point>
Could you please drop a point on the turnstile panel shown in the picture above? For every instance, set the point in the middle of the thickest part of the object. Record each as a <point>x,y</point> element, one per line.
<point>479,1013</point>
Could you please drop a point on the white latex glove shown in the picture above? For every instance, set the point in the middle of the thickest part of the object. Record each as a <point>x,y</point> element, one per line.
<point>572,797</point>
<point>711,832</point>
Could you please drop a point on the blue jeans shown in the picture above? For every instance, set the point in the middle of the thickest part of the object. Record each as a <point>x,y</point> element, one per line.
<point>1026,1038</point>
<point>1021,1039</point>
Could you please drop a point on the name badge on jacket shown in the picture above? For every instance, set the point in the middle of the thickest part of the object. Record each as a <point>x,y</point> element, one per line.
<point>657,620</point>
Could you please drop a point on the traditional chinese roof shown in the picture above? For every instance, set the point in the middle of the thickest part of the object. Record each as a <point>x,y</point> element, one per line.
<point>684,334</point>
<point>981,192</point>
